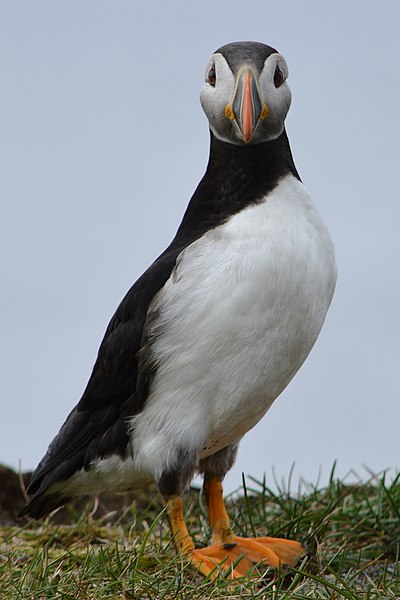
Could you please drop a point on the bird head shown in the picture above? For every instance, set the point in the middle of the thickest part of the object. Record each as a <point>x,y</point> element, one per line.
<point>245,95</point>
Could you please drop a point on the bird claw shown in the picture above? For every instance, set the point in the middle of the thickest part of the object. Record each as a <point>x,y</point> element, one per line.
<point>239,558</point>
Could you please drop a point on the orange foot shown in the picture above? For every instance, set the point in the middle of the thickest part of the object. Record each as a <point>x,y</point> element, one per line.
<point>238,558</point>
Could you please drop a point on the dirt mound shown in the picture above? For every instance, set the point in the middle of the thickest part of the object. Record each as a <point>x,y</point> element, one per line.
<point>11,494</point>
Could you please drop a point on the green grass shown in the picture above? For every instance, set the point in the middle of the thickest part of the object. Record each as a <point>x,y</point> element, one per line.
<point>351,531</point>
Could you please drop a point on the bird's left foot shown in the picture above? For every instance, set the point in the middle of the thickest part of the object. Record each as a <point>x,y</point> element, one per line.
<point>237,558</point>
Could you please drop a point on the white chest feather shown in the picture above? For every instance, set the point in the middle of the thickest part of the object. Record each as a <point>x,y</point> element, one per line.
<point>238,317</point>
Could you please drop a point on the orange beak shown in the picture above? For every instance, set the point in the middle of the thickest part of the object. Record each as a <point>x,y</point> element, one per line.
<point>246,105</point>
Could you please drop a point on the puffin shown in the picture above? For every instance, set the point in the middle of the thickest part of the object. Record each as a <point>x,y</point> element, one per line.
<point>212,332</point>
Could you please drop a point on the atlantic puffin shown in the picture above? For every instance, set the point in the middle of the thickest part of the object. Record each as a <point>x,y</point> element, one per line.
<point>213,331</point>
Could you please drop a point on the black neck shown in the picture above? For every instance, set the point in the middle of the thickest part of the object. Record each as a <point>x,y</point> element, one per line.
<point>236,176</point>
<point>257,166</point>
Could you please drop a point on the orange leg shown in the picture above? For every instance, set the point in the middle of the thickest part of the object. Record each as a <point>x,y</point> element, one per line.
<point>183,542</point>
<point>228,553</point>
<point>218,518</point>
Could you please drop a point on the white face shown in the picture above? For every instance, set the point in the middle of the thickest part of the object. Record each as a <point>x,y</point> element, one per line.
<point>221,93</point>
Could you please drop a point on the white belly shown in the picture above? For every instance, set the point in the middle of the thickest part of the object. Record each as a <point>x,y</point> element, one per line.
<point>237,319</point>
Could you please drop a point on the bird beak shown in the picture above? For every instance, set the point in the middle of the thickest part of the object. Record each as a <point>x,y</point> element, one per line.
<point>247,109</point>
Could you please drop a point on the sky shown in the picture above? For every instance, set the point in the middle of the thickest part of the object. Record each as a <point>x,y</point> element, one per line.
<point>102,143</point>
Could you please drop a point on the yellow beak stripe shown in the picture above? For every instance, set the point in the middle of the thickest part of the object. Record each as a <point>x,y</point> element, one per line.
<point>229,112</point>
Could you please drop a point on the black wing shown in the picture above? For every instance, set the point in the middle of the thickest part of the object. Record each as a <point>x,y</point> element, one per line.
<point>98,425</point>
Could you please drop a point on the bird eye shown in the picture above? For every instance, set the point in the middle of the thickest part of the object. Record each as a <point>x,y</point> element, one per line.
<point>212,76</point>
<point>278,77</point>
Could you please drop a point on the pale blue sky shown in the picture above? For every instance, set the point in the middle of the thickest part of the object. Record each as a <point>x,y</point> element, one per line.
<point>102,142</point>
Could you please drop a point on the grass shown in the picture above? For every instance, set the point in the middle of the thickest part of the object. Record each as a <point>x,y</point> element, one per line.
<point>352,533</point>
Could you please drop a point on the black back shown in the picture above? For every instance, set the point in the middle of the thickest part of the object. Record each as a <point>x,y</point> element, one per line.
<point>97,427</point>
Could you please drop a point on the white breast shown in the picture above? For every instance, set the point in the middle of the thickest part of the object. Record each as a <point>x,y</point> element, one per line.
<point>238,317</point>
